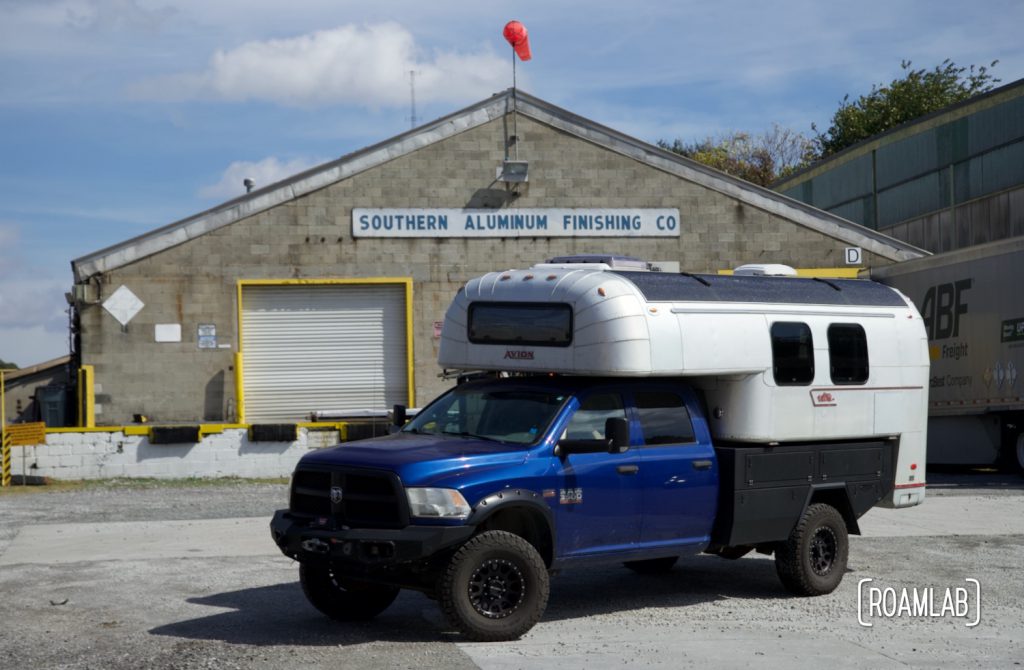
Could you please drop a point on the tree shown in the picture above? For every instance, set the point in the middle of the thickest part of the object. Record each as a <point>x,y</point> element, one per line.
<point>916,93</point>
<point>761,159</point>
<point>4,365</point>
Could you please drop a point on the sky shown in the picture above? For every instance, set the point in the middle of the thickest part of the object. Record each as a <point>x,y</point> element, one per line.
<point>121,116</point>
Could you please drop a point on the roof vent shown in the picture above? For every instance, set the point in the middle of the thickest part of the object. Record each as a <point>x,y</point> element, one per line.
<point>609,261</point>
<point>764,270</point>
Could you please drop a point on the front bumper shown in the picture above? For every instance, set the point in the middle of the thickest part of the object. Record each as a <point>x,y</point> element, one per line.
<point>362,546</point>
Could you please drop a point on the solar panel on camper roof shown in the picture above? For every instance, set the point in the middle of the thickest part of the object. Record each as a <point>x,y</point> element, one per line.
<point>671,287</point>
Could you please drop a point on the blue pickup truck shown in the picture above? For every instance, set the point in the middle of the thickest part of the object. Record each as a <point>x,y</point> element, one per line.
<point>625,417</point>
<point>502,481</point>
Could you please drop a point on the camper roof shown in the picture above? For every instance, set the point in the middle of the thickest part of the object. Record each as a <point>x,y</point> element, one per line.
<point>684,287</point>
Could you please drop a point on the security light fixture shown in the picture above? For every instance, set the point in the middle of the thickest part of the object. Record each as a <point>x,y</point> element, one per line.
<point>248,183</point>
<point>515,172</point>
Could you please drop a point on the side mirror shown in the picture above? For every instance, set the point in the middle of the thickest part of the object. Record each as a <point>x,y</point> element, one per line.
<point>617,433</point>
<point>398,415</point>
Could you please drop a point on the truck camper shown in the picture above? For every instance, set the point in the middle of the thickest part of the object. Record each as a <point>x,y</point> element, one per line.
<point>610,413</point>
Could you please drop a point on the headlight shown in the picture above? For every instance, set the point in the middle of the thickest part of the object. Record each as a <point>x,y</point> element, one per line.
<point>437,503</point>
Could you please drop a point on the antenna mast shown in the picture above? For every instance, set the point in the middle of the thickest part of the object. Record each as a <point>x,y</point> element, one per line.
<point>412,97</point>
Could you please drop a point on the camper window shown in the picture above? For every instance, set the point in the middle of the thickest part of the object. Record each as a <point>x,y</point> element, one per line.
<point>792,354</point>
<point>847,353</point>
<point>537,324</point>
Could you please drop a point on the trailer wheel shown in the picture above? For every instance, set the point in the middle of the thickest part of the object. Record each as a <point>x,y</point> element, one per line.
<point>812,561</point>
<point>495,587</point>
<point>343,599</point>
<point>652,566</point>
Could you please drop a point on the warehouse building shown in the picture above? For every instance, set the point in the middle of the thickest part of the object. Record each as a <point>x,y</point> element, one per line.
<point>951,179</point>
<point>325,292</point>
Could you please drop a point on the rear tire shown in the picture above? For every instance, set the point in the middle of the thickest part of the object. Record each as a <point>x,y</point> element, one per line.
<point>344,599</point>
<point>495,587</point>
<point>652,566</point>
<point>812,561</point>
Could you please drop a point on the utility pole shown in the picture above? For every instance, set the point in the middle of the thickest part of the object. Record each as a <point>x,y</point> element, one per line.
<point>412,97</point>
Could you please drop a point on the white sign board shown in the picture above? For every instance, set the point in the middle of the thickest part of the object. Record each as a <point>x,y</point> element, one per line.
<point>168,332</point>
<point>854,255</point>
<point>123,305</point>
<point>545,222</point>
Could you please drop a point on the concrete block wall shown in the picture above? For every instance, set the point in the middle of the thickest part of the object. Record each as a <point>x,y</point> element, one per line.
<point>103,455</point>
<point>195,282</point>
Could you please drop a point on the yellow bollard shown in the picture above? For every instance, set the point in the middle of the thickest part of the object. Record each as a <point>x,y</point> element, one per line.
<point>5,440</point>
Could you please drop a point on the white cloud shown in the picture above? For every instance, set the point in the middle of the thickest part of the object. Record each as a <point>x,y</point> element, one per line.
<point>26,303</point>
<point>358,65</point>
<point>264,173</point>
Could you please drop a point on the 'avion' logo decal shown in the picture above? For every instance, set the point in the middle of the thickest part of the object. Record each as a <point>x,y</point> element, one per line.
<point>519,355</point>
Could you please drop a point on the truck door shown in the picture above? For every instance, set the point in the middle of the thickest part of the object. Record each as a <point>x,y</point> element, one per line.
<point>597,504</point>
<point>678,469</point>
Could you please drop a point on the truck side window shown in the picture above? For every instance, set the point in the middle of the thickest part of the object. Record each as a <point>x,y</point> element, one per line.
<point>847,353</point>
<point>588,421</point>
<point>664,418</point>
<point>792,353</point>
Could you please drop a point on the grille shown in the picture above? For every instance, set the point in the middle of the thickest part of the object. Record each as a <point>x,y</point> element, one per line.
<point>369,499</point>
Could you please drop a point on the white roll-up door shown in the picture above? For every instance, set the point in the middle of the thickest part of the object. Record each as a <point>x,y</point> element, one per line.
<point>322,347</point>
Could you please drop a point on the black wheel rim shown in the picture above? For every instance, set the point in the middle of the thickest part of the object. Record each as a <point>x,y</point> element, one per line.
<point>823,551</point>
<point>496,588</point>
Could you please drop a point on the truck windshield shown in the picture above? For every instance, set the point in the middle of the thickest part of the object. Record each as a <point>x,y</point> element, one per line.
<point>518,416</point>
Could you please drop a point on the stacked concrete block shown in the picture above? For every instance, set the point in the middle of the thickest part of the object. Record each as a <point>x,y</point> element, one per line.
<point>105,455</point>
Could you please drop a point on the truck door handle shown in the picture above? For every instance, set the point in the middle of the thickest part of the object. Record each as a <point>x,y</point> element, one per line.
<point>702,465</point>
<point>628,469</point>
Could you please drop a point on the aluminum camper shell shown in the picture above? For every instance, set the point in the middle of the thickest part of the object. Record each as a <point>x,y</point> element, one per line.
<point>717,331</point>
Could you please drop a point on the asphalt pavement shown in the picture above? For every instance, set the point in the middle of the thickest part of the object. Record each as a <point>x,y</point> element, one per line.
<point>187,577</point>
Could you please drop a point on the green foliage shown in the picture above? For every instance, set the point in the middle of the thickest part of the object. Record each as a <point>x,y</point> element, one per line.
<point>915,94</point>
<point>4,365</point>
<point>761,159</point>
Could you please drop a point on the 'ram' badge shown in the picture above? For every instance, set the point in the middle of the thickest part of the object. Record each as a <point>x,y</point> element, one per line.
<point>570,496</point>
<point>336,494</point>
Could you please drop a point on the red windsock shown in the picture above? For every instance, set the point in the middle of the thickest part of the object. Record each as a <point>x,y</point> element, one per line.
<point>515,34</point>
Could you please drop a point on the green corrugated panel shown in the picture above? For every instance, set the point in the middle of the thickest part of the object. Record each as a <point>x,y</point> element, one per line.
<point>847,182</point>
<point>907,158</point>
<point>859,211</point>
<point>911,199</point>
<point>1000,169</point>
<point>991,172</point>
<point>995,126</point>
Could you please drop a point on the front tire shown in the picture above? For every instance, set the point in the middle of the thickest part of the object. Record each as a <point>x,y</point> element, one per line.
<point>812,561</point>
<point>343,599</point>
<point>495,587</point>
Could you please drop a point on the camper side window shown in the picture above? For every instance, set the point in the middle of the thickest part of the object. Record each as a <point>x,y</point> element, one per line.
<point>847,353</point>
<point>792,353</point>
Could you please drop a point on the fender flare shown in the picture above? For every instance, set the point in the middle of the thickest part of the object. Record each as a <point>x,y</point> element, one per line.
<point>513,497</point>
<point>833,490</point>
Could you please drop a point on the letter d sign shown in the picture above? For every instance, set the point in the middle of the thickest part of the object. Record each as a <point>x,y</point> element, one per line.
<point>853,255</point>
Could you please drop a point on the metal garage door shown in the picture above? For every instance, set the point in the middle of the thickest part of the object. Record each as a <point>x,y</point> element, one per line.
<point>322,347</point>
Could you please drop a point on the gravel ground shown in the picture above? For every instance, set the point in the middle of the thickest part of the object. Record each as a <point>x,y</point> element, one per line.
<point>250,613</point>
